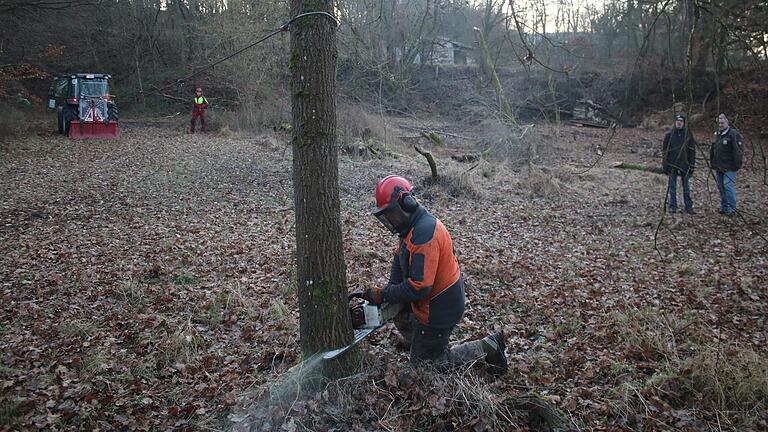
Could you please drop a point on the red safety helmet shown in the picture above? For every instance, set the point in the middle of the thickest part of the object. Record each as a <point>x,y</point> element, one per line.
<point>385,189</point>
<point>394,202</point>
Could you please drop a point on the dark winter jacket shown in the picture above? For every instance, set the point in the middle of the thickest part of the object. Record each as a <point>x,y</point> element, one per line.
<point>727,151</point>
<point>426,274</point>
<point>678,155</point>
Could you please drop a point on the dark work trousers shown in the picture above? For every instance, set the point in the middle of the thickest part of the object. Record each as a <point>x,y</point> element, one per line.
<point>429,344</point>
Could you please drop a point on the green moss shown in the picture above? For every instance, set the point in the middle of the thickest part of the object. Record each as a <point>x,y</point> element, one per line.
<point>324,293</point>
<point>302,94</point>
<point>185,279</point>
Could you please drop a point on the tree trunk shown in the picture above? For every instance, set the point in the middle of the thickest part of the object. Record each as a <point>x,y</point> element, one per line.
<point>490,70</point>
<point>321,273</point>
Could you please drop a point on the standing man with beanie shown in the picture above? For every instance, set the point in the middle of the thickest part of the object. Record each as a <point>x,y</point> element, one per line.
<point>679,159</point>
<point>426,278</point>
<point>726,156</point>
<point>200,106</point>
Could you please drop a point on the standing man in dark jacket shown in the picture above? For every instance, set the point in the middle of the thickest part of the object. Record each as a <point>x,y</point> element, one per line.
<point>425,276</point>
<point>679,153</point>
<point>200,107</point>
<point>726,156</point>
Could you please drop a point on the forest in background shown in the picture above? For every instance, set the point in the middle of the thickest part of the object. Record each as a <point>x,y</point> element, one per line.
<point>633,57</point>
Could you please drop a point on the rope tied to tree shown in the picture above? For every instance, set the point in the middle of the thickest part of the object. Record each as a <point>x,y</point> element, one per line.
<point>179,83</point>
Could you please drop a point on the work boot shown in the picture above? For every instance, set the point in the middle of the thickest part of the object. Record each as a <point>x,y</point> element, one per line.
<point>495,356</point>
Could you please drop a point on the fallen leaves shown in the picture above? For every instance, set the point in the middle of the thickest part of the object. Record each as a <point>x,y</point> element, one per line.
<point>147,283</point>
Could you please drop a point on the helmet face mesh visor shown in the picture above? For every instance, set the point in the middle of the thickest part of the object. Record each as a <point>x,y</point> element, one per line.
<point>381,213</point>
<point>387,224</point>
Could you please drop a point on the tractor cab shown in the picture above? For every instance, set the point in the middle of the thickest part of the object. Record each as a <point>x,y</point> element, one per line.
<point>83,106</point>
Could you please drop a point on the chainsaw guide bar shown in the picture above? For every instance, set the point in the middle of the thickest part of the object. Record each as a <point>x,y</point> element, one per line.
<point>366,319</point>
<point>359,335</point>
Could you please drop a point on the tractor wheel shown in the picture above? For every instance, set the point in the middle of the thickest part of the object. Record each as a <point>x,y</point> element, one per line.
<point>60,119</point>
<point>112,111</point>
<point>68,114</point>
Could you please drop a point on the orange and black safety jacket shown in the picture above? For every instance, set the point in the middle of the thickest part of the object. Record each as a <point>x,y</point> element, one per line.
<point>426,273</point>
<point>200,103</point>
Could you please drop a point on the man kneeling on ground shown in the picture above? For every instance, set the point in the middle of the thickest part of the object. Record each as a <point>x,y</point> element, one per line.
<point>425,275</point>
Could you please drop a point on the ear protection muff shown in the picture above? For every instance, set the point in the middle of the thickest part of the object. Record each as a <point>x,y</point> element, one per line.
<point>405,200</point>
<point>408,202</point>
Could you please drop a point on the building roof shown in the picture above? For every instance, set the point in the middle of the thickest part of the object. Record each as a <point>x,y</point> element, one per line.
<point>443,40</point>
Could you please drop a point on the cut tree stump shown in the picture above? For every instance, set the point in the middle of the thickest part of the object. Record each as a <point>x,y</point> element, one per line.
<point>639,167</point>
<point>430,160</point>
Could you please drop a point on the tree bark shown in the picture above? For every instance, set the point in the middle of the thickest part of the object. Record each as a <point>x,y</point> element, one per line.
<point>321,273</point>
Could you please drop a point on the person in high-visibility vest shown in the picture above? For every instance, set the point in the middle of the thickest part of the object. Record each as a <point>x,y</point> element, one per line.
<point>201,104</point>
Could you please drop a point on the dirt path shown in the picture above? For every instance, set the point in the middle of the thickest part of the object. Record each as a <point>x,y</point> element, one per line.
<point>147,283</point>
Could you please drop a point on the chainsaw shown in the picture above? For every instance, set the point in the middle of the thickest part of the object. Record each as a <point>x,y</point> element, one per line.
<point>366,318</point>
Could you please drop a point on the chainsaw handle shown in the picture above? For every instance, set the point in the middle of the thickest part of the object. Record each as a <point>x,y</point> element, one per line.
<point>357,294</point>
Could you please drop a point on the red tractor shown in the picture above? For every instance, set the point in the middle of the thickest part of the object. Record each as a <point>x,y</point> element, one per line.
<point>83,106</point>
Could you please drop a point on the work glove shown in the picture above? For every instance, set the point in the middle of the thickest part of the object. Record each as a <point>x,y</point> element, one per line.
<point>373,295</point>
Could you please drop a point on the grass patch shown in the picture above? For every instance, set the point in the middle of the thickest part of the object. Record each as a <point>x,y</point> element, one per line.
<point>215,310</point>
<point>722,386</point>
<point>691,375</point>
<point>185,278</point>
<point>686,270</point>
<point>649,334</point>
<point>567,327</point>
<point>93,363</point>
<point>7,371</point>
<point>9,412</point>
<point>143,371</point>
<point>278,310</point>
<point>725,379</point>
<point>619,368</point>
<point>289,288</point>
<point>448,186</point>
<point>132,293</point>
<point>365,253</point>
<point>542,183</point>
<point>182,346</point>
<point>452,401</point>
<point>75,329</point>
